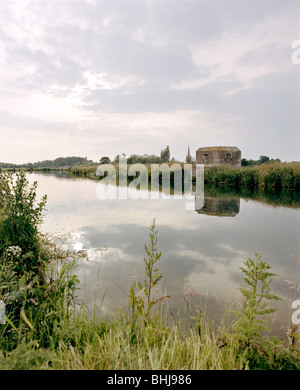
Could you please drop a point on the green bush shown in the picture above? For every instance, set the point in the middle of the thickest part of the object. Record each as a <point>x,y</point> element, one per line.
<point>272,177</point>
<point>36,289</point>
<point>20,219</point>
<point>288,178</point>
<point>251,320</point>
<point>249,177</point>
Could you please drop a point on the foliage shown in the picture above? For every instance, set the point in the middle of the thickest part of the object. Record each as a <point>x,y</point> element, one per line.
<point>60,162</point>
<point>104,160</point>
<point>142,303</point>
<point>264,159</point>
<point>165,154</point>
<point>270,196</point>
<point>261,160</point>
<point>46,328</point>
<point>84,171</point>
<point>20,220</point>
<point>268,175</point>
<point>251,317</point>
<point>144,159</point>
<point>35,293</point>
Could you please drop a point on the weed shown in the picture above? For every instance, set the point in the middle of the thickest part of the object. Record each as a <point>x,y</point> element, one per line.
<point>142,303</point>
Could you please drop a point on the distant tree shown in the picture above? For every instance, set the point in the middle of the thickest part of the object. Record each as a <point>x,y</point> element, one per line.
<point>165,154</point>
<point>144,159</point>
<point>263,159</point>
<point>133,159</point>
<point>104,160</point>
<point>249,163</point>
<point>275,160</point>
<point>57,163</point>
<point>116,159</point>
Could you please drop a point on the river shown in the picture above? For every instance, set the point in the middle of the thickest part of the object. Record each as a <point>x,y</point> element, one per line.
<point>202,250</point>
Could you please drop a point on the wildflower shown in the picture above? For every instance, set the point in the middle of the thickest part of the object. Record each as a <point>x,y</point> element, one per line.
<point>14,251</point>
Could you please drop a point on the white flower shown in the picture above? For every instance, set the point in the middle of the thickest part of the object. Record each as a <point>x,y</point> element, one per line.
<point>14,251</point>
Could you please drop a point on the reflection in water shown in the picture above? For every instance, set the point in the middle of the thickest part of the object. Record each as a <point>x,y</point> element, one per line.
<point>269,196</point>
<point>221,207</point>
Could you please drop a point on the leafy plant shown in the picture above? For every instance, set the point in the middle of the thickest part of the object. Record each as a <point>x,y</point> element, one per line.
<point>251,322</point>
<point>36,280</point>
<point>20,218</point>
<point>142,303</point>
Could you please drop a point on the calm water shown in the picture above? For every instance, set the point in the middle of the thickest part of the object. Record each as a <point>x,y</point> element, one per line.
<point>201,250</point>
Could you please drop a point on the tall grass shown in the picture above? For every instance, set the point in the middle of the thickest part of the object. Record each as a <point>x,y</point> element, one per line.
<point>275,175</point>
<point>47,328</point>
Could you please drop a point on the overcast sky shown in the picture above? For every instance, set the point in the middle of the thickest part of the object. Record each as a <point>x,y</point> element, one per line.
<point>95,78</point>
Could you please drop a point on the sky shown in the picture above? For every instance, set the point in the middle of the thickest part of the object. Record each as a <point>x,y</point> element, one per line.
<point>100,78</point>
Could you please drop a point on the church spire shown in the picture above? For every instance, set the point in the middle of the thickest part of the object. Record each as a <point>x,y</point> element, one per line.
<point>188,159</point>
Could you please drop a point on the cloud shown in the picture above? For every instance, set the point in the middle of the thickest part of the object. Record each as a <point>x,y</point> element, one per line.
<point>149,36</point>
<point>146,76</point>
<point>241,57</point>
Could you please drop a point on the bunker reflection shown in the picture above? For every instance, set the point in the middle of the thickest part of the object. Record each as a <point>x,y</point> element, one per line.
<point>221,207</point>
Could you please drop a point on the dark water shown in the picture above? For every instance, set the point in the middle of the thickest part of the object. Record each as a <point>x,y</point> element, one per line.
<point>202,250</point>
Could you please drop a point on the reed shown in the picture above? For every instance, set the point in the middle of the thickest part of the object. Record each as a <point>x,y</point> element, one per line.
<point>273,175</point>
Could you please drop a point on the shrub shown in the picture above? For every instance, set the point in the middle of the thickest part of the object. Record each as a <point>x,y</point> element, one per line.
<point>37,293</point>
<point>251,320</point>
<point>20,218</point>
<point>272,177</point>
<point>142,303</point>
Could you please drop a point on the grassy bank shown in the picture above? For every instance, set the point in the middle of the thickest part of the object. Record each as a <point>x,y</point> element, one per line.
<point>88,171</point>
<point>47,328</point>
<point>273,175</point>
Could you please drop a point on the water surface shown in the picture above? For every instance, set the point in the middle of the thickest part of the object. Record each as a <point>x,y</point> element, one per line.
<point>202,250</point>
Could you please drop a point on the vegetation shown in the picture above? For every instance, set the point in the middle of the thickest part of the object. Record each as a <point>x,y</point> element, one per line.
<point>58,163</point>
<point>165,154</point>
<point>90,171</point>
<point>35,293</point>
<point>141,304</point>
<point>104,160</point>
<point>69,162</point>
<point>266,176</point>
<point>275,175</point>
<point>261,160</point>
<point>251,323</point>
<point>47,328</point>
<point>275,197</point>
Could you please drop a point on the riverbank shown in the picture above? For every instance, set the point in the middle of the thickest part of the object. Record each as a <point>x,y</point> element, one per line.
<point>273,175</point>
<point>47,328</point>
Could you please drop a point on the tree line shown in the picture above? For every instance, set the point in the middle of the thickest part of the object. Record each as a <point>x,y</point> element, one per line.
<point>141,159</point>
<point>68,162</point>
<point>60,162</point>
<point>260,161</point>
